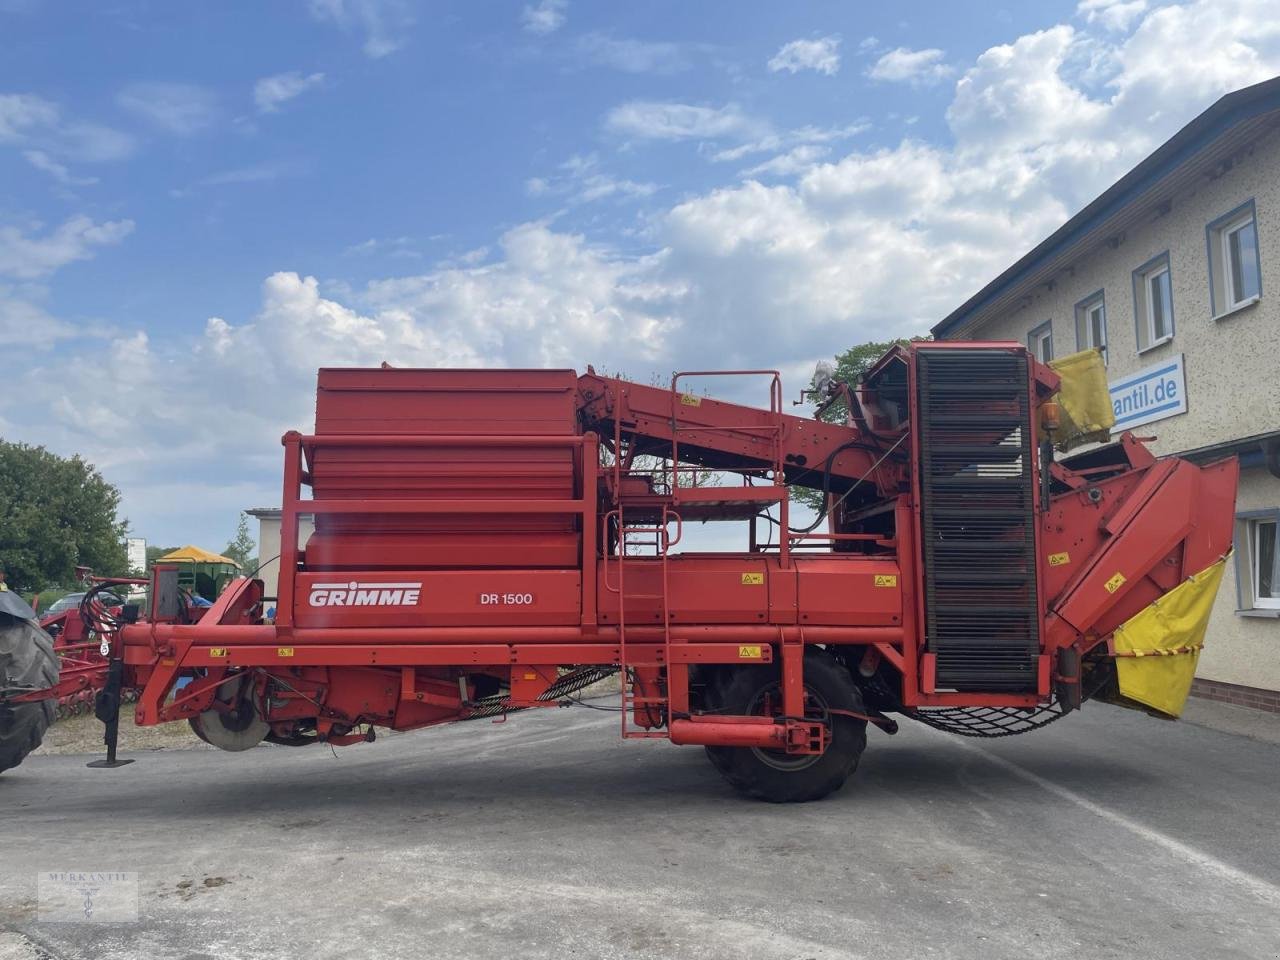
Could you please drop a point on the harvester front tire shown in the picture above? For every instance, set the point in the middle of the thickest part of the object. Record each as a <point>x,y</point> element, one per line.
<point>776,777</point>
<point>27,659</point>
<point>239,728</point>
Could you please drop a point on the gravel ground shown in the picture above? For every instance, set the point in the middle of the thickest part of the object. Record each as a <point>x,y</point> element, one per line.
<point>83,734</point>
<point>1109,835</point>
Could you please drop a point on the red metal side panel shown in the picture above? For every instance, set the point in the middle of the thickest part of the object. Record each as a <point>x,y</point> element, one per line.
<point>849,591</point>
<point>831,591</point>
<point>703,589</point>
<point>472,598</point>
<point>464,403</point>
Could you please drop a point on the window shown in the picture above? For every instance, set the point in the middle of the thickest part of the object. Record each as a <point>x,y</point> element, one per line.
<point>1040,342</point>
<point>1235,268</point>
<point>1262,546</point>
<point>1091,324</point>
<point>1258,564</point>
<point>1153,303</point>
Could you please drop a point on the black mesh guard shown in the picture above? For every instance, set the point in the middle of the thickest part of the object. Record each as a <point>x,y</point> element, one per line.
<point>977,477</point>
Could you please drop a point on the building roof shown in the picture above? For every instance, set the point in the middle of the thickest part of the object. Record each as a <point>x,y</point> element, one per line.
<point>273,513</point>
<point>1234,120</point>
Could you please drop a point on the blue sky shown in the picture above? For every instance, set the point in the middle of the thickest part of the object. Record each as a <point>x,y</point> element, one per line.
<point>200,204</point>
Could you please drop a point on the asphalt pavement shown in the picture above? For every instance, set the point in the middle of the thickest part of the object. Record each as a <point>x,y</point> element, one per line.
<point>1109,834</point>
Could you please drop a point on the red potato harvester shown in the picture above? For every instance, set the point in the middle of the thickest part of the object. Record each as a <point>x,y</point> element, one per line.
<point>489,541</point>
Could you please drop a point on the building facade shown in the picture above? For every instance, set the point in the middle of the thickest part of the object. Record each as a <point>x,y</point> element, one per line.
<point>269,544</point>
<point>1174,274</point>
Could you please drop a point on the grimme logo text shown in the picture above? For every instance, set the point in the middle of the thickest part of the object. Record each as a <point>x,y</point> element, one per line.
<point>355,594</point>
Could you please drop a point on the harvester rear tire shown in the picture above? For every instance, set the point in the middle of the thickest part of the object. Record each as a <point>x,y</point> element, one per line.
<point>27,659</point>
<point>773,776</point>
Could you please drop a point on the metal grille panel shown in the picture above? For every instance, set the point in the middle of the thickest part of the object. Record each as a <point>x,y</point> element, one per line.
<point>978,518</point>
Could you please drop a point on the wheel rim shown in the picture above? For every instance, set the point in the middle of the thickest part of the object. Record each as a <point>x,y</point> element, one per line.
<point>768,702</point>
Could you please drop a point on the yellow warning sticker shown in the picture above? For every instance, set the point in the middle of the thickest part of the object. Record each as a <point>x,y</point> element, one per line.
<point>886,579</point>
<point>689,400</point>
<point>749,652</point>
<point>752,579</point>
<point>1059,559</point>
<point>1115,583</point>
<point>217,652</point>
<point>284,651</point>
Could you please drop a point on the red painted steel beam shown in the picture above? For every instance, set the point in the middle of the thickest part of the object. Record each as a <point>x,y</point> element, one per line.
<point>396,441</point>
<point>443,506</point>
<point>447,655</point>
<point>760,732</point>
<point>388,638</point>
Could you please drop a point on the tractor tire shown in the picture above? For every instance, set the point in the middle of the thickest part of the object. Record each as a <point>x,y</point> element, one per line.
<point>27,659</point>
<point>775,776</point>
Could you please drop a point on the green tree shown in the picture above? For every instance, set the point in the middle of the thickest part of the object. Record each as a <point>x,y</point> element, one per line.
<point>56,513</point>
<point>155,553</point>
<point>849,368</point>
<point>243,547</point>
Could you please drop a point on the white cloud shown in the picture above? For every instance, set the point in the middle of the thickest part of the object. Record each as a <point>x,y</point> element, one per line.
<point>749,274</point>
<point>263,172</point>
<point>821,55</point>
<point>46,164</point>
<point>26,325</point>
<point>664,120</point>
<point>384,23</point>
<point>183,109</point>
<point>398,247</point>
<point>546,17</point>
<point>1113,14</point>
<point>634,56</point>
<point>22,113</point>
<point>796,160</point>
<point>270,92</point>
<point>789,139</point>
<point>581,179</point>
<point>911,66</point>
<point>90,143</point>
<point>38,124</point>
<point>24,257</point>
<point>549,300</point>
<point>28,259</point>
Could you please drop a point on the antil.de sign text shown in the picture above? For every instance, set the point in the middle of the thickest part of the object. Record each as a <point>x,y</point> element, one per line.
<point>1156,392</point>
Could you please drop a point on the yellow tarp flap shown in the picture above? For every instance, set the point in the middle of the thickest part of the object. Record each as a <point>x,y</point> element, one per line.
<point>1157,650</point>
<point>1087,415</point>
<point>193,554</point>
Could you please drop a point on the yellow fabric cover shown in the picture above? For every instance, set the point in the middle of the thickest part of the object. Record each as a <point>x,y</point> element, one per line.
<point>1087,415</point>
<point>1158,648</point>
<point>193,554</point>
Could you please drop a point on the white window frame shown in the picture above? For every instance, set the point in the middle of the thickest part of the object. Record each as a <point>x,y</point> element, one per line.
<point>1084,325</point>
<point>1037,338</point>
<point>1144,313</point>
<point>1222,292</point>
<point>1249,526</point>
<point>1255,558</point>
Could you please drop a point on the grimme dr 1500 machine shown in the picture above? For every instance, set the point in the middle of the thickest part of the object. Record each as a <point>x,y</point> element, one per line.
<point>489,541</point>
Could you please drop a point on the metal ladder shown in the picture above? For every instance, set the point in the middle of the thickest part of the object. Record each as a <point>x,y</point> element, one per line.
<point>661,544</point>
